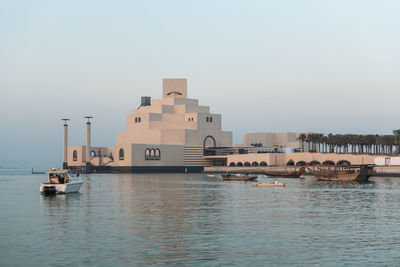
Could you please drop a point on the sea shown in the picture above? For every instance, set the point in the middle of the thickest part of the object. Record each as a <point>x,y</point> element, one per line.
<point>199,220</point>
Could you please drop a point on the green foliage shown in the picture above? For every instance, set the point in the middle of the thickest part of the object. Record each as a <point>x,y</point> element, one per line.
<point>351,143</point>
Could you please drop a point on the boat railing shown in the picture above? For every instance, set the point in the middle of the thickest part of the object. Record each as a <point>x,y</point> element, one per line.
<point>338,168</point>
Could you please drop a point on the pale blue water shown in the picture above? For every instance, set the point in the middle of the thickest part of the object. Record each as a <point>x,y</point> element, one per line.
<point>196,220</point>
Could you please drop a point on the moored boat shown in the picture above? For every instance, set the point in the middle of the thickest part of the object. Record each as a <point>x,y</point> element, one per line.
<point>239,177</point>
<point>276,184</point>
<point>61,182</point>
<point>356,173</point>
<point>284,174</point>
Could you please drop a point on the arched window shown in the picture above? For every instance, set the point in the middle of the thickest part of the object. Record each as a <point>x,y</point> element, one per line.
<point>152,153</point>
<point>210,119</point>
<point>157,154</point>
<point>139,119</point>
<point>75,155</point>
<point>328,162</point>
<point>290,163</point>
<point>207,119</point>
<point>239,164</point>
<point>263,163</point>
<point>147,154</point>
<point>92,153</point>
<point>232,164</point>
<point>135,119</point>
<point>301,163</point>
<point>255,163</point>
<point>343,162</point>
<point>121,154</point>
<point>260,145</point>
<point>247,163</point>
<point>314,163</point>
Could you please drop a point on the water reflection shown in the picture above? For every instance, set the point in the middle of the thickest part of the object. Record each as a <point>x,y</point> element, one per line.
<point>131,219</point>
<point>165,209</point>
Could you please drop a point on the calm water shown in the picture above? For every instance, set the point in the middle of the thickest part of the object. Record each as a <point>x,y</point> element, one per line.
<point>196,220</point>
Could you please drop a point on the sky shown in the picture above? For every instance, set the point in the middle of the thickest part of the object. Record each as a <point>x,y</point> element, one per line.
<point>266,66</point>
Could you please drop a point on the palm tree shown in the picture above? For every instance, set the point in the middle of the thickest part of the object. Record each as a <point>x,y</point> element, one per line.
<point>329,141</point>
<point>320,140</point>
<point>310,141</point>
<point>302,138</point>
<point>396,140</point>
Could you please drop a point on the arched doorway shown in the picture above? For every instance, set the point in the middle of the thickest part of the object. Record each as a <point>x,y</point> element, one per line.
<point>263,163</point>
<point>301,163</point>
<point>232,164</point>
<point>314,163</point>
<point>343,162</point>
<point>209,141</point>
<point>328,162</point>
<point>290,163</point>
<point>255,163</point>
<point>239,164</point>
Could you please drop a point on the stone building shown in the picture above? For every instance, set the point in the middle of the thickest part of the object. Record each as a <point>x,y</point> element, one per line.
<point>168,134</point>
<point>268,142</point>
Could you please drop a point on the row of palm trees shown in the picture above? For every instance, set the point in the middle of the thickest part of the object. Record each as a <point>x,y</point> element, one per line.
<point>351,143</point>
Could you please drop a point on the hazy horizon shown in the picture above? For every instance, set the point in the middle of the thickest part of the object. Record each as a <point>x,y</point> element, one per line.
<point>266,66</point>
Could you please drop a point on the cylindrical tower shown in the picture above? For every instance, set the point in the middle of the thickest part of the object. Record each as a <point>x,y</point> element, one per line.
<point>88,126</point>
<point>65,144</point>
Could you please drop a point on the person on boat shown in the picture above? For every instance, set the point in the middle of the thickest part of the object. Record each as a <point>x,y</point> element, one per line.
<point>60,179</point>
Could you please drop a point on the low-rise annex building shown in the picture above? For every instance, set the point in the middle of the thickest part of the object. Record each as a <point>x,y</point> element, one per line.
<point>273,142</point>
<point>297,159</point>
<point>168,134</point>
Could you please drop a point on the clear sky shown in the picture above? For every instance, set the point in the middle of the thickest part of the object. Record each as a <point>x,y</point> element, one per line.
<point>322,66</point>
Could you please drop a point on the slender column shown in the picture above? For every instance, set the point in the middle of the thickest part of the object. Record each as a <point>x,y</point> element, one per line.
<point>88,126</point>
<point>88,141</point>
<point>65,145</point>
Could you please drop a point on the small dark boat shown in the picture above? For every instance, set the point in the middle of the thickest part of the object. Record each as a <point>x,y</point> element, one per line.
<point>239,177</point>
<point>351,173</point>
<point>285,174</point>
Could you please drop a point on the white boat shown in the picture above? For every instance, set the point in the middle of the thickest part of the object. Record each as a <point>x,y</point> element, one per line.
<point>61,182</point>
<point>276,184</point>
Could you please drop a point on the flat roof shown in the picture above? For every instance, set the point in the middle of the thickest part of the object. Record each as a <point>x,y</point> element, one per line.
<point>57,171</point>
<point>216,157</point>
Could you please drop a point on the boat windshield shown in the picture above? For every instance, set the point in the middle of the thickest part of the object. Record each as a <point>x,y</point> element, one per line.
<point>56,175</point>
<point>60,177</point>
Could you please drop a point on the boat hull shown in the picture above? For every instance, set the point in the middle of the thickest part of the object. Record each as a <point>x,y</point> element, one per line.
<point>283,174</point>
<point>268,185</point>
<point>345,174</point>
<point>46,188</point>
<point>230,177</point>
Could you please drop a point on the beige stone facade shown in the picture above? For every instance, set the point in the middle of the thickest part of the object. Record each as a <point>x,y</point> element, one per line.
<point>176,133</point>
<point>171,131</point>
<point>284,159</point>
<point>284,141</point>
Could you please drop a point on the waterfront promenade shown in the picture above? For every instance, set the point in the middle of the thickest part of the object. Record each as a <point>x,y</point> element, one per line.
<point>384,171</point>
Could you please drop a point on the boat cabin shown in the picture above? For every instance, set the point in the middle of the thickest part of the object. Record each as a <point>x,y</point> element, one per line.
<point>59,176</point>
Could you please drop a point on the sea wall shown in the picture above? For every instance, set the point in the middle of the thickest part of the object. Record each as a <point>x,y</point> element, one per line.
<point>383,171</point>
